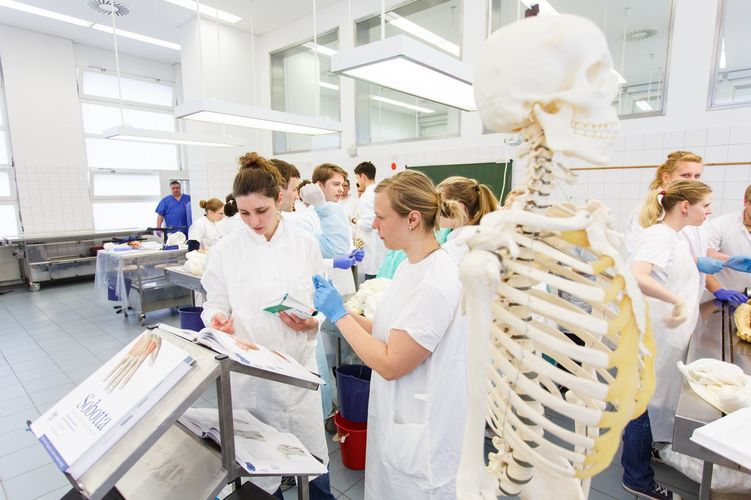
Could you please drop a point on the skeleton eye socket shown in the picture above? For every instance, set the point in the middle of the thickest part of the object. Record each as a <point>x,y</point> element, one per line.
<point>597,74</point>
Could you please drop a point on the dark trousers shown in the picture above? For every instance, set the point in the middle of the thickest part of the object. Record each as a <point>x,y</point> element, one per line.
<point>320,489</point>
<point>636,458</point>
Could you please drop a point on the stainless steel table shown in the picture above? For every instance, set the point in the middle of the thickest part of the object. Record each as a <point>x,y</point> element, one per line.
<point>178,275</point>
<point>714,337</point>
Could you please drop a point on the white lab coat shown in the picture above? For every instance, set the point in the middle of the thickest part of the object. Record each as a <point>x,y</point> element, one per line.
<point>351,204</point>
<point>229,225</point>
<point>455,249</point>
<point>374,249</point>
<point>204,231</point>
<point>693,235</point>
<point>728,234</point>
<point>243,273</point>
<point>674,268</point>
<point>415,422</point>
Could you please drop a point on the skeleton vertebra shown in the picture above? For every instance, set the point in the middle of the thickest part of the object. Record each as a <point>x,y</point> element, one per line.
<point>550,78</point>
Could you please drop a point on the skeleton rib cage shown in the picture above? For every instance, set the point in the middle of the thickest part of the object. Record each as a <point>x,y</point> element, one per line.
<point>609,378</point>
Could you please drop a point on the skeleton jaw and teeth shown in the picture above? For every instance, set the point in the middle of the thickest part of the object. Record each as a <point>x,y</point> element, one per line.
<point>523,261</point>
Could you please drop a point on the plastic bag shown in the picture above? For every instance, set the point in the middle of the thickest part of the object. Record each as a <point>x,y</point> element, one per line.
<point>723,479</point>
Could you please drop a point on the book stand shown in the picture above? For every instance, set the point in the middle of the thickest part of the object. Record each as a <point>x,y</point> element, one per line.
<point>159,459</point>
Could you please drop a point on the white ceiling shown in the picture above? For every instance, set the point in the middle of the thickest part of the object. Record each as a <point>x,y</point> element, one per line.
<point>155,18</point>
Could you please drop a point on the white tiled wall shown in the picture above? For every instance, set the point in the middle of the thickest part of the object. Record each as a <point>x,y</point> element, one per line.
<point>622,188</point>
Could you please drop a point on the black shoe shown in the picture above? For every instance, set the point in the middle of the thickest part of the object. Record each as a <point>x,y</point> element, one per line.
<point>655,491</point>
<point>656,458</point>
<point>288,482</point>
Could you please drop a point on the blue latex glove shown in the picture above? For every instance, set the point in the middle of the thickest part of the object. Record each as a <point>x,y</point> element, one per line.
<point>327,299</point>
<point>731,296</point>
<point>740,263</point>
<point>344,262</point>
<point>709,265</point>
<point>358,254</point>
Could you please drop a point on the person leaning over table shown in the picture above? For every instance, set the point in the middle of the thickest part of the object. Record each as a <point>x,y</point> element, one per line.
<point>246,270</point>
<point>415,346</point>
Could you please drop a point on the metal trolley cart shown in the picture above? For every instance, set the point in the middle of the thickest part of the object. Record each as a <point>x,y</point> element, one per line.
<point>136,279</point>
<point>714,337</point>
<point>159,459</point>
<point>49,257</point>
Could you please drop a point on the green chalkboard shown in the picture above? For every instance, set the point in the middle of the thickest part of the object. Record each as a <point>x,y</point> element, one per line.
<point>496,175</point>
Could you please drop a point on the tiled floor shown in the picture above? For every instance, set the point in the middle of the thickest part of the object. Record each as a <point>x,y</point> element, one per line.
<point>53,339</point>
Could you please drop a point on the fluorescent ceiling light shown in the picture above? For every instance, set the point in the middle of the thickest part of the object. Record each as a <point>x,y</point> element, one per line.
<point>545,8</point>
<point>644,105</point>
<point>416,30</point>
<point>327,85</point>
<point>621,80</point>
<point>401,104</point>
<point>404,64</point>
<point>320,48</point>
<point>229,113</point>
<point>136,36</point>
<point>128,133</point>
<point>207,11</point>
<point>723,59</point>
<point>11,4</point>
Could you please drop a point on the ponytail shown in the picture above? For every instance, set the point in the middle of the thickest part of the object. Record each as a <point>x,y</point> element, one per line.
<point>257,175</point>
<point>230,205</point>
<point>660,202</point>
<point>477,198</point>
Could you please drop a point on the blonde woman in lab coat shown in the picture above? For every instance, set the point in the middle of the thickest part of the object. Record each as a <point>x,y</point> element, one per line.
<point>415,346</point>
<point>666,273</point>
<point>246,270</point>
<point>206,230</point>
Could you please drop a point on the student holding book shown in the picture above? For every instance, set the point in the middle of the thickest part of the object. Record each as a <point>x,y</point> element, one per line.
<point>245,270</point>
<point>415,346</point>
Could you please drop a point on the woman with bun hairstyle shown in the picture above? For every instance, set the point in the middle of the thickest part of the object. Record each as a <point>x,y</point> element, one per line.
<point>667,275</point>
<point>415,346</point>
<point>231,221</point>
<point>245,271</point>
<point>205,230</point>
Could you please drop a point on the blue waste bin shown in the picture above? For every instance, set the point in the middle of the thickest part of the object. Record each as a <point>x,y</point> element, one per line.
<point>112,288</point>
<point>190,318</point>
<point>353,390</point>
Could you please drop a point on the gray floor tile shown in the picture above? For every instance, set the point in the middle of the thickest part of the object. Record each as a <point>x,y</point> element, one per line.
<point>51,394</point>
<point>45,383</point>
<point>15,405</point>
<point>35,483</point>
<point>669,476</point>
<point>357,491</point>
<point>609,482</point>
<point>12,392</point>
<point>37,373</point>
<point>17,420</point>
<point>8,381</point>
<point>598,495</point>
<point>342,478</point>
<point>55,494</point>
<point>40,363</point>
<point>25,356</point>
<point>16,440</point>
<point>2,492</point>
<point>43,407</point>
<point>23,346</point>
<point>21,461</point>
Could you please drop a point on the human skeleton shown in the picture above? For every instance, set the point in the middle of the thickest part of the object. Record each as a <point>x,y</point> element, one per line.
<point>550,79</point>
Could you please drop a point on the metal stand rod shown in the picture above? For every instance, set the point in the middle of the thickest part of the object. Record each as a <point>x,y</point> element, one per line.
<point>303,489</point>
<point>705,489</point>
<point>226,422</point>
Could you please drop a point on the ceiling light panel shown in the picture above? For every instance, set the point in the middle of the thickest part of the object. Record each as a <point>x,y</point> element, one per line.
<point>22,7</point>
<point>128,133</point>
<point>401,104</point>
<point>137,36</point>
<point>207,11</point>
<point>418,31</point>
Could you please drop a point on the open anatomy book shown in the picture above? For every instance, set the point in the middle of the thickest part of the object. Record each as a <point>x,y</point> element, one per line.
<point>259,448</point>
<point>247,353</point>
<point>92,418</point>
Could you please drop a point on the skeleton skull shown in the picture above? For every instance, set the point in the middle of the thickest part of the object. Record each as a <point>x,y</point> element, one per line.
<point>568,87</point>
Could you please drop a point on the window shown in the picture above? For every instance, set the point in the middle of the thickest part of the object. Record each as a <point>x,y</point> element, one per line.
<point>731,85</point>
<point>9,216</point>
<point>638,34</point>
<point>294,73</point>
<point>384,115</point>
<point>124,175</point>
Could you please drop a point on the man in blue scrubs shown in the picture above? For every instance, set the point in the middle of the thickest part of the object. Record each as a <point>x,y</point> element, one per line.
<point>174,210</point>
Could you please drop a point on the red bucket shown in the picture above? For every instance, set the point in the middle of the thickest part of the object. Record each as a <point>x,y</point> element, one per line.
<point>352,439</point>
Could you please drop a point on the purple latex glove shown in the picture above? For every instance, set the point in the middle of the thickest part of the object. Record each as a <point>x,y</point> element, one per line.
<point>730,296</point>
<point>709,265</point>
<point>344,262</point>
<point>358,254</point>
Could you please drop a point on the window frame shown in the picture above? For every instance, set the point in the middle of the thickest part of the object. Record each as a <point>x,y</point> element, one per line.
<point>335,29</point>
<point>720,29</point>
<point>10,168</point>
<point>92,172</point>
<point>358,105</point>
